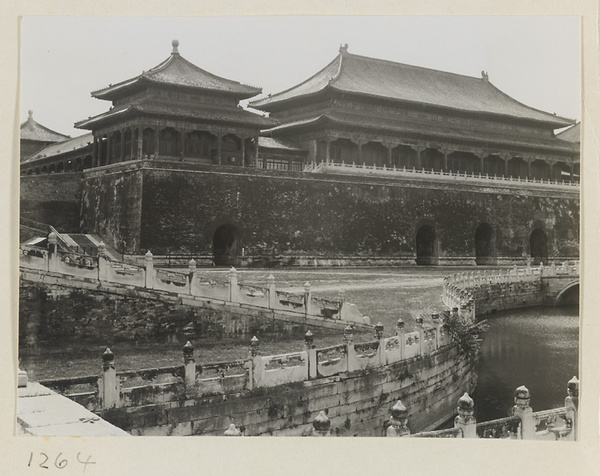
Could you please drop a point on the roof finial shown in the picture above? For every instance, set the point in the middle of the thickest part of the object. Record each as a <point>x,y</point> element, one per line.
<point>484,75</point>
<point>30,112</point>
<point>344,48</point>
<point>175,44</point>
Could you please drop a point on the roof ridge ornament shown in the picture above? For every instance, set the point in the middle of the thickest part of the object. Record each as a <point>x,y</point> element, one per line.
<point>30,114</point>
<point>484,76</point>
<point>344,48</point>
<point>175,44</point>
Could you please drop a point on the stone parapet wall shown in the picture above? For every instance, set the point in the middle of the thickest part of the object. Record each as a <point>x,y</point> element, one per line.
<point>51,307</point>
<point>205,399</point>
<point>155,288</point>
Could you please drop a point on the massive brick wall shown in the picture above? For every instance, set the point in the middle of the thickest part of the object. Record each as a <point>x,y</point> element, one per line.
<point>53,199</point>
<point>297,214</point>
<point>357,403</point>
<point>111,207</point>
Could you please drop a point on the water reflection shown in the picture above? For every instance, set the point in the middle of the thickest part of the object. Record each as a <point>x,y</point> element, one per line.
<point>538,348</point>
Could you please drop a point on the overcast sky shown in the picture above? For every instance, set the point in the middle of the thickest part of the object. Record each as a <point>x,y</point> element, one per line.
<point>536,60</point>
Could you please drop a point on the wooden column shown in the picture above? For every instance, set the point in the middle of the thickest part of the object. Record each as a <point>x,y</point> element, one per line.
<point>256,151</point>
<point>95,152</point>
<point>528,168</point>
<point>140,142</point>
<point>445,152</point>
<point>506,159</point>
<point>243,147</point>
<point>219,146</point>
<point>389,154</point>
<point>182,134</point>
<point>122,151</point>
<point>156,141</point>
<point>481,159</point>
<point>419,149</point>
<point>571,172</point>
<point>132,130</point>
<point>327,149</point>
<point>360,158</point>
<point>108,149</point>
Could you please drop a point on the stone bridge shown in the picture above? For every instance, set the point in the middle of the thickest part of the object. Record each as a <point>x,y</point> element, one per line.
<point>561,290</point>
<point>511,288</point>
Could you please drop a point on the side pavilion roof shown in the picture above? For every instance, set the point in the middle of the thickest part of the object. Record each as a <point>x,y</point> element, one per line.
<point>32,130</point>
<point>76,143</point>
<point>179,72</point>
<point>572,134</point>
<point>371,77</point>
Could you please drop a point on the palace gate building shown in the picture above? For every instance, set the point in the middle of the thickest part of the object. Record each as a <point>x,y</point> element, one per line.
<point>366,162</point>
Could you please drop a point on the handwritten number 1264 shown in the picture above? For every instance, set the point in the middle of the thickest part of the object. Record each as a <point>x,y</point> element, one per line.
<point>60,462</point>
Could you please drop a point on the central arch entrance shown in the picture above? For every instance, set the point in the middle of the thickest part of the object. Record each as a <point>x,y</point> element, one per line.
<point>485,245</point>
<point>427,248</point>
<point>226,245</point>
<point>538,246</point>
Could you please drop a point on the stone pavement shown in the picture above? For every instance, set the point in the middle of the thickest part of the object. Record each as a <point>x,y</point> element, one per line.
<point>43,412</point>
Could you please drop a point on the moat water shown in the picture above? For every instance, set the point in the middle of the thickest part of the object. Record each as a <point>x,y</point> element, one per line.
<point>538,348</point>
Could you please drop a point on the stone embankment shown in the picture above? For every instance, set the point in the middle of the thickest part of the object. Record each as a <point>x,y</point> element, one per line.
<point>355,384</point>
<point>522,424</point>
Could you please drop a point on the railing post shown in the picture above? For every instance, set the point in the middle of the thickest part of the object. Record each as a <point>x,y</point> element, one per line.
<point>350,351</point>
<point>232,431</point>
<point>272,291</point>
<point>110,388</point>
<point>398,421</point>
<point>311,353</point>
<point>189,366</point>
<point>401,337</point>
<point>525,412</point>
<point>381,341</point>
<point>465,418</point>
<point>572,403</point>
<point>149,264</point>
<point>435,317</point>
<point>22,379</point>
<point>257,363</point>
<point>234,290</point>
<point>102,262</point>
<point>52,252</point>
<point>191,275</point>
<point>307,299</point>
<point>342,300</point>
<point>321,425</point>
<point>419,324</point>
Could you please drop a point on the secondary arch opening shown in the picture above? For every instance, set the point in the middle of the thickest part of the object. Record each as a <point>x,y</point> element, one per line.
<point>226,245</point>
<point>427,246</point>
<point>538,246</point>
<point>485,245</point>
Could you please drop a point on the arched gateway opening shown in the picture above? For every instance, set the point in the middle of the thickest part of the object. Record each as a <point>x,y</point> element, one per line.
<point>538,246</point>
<point>569,296</point>
<point>427,249</point>
<point>485,245</point>
<point>226,245</point>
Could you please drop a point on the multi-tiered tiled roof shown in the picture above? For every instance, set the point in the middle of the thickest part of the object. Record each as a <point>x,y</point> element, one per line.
<point>178,72</point>
<point>402,83</point>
